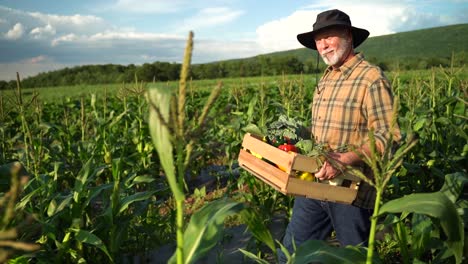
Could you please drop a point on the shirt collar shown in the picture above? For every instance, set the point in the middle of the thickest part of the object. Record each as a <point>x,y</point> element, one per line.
<point>347,68</point>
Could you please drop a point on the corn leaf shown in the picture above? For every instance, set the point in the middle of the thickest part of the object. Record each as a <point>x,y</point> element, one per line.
<point>95,191</point>
<point>55,208</point>
<point>81,180</point>
<point>140,196</point>
<point>253,129</point>
<point>27,199</point>
<point>454,185</point>
<point>204,229</point>
<point>52,207</point>
<point>257,228</point>
<point>422,228</point>
<point>318,251</point>
<point>253,257</point>
<point>142,179</point>
<point>160,102</point>
<point>84,236</point>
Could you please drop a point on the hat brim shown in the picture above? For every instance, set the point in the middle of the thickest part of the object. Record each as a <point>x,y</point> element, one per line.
<point>307,38</point>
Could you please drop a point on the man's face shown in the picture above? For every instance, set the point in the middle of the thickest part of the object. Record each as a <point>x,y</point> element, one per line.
<point>334,45</point>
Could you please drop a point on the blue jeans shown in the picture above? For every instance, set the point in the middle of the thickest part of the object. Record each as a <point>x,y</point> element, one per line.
<point>314,219</point>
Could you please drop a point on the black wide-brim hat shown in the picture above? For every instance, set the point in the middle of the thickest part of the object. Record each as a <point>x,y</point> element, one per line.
<point>328,19</point>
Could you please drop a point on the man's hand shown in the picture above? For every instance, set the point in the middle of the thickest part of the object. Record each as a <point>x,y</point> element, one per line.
<point>328,171</point>
<point>336,164</point>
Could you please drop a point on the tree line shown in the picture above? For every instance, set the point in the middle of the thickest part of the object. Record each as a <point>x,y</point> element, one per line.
<point>263,65</point>
<point>159,71</point>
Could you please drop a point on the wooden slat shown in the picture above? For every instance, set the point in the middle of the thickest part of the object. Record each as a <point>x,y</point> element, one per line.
<point>305,163</point>
<point>264,171</point>
<point>321,191</point>
<point>269,152</point>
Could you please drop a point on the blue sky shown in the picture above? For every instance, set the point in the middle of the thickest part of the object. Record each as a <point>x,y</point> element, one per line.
<point>43,35</point>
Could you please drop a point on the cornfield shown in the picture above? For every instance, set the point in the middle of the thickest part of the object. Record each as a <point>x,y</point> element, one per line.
<point>112,174</point>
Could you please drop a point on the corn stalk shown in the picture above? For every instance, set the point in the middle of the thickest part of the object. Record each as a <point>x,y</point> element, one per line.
<point>174,142</point>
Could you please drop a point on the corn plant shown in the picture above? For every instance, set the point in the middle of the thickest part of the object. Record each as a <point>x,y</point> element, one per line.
<point>71,200</point>
<point>167,126</point>
<point>436,205</point>
<point>292,96</point>
<point>434,111</point>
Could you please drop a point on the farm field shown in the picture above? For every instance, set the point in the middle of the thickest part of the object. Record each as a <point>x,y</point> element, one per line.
<point>110,182</point>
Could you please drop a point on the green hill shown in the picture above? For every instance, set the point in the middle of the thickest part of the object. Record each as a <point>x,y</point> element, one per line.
<point>434,42</point>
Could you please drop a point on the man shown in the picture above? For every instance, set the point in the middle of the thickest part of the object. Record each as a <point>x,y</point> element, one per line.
<point>351,99</point>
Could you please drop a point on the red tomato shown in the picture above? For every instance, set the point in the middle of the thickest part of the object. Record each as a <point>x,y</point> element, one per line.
<point>288,147</point>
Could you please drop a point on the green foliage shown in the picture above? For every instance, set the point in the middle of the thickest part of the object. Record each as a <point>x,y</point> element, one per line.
<point>257,227</point>
<point>443,211</point>
<point>435,205</point>
<point>284,127</point>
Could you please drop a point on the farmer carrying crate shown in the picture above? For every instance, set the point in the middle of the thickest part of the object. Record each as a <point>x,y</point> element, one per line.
<point>352,99</point>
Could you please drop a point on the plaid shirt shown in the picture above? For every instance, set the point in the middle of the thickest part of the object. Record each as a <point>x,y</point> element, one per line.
<point>348,102</point>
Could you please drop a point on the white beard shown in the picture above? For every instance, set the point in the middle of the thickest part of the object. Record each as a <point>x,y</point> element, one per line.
<point>338,55</point>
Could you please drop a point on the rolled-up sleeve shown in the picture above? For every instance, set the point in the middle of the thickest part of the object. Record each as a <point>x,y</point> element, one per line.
<point>380,114</point>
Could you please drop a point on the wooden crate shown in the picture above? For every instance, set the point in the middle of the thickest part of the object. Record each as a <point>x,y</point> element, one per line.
<point>284,181</point>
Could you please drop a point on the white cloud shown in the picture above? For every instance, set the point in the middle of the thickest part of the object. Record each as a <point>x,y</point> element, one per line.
<point>378,19</point>
<point>65,38</point>
<point>16,32</point>
<point>78,24</point>
<point>38,59</point>
<point>44,26</point>
<point>281,34</point>
<point>209,17</point>
<point>42,32</point>
<point>76,20</point>
<point>212,50</point>
<point>153,6</point>
<point>131,35</point>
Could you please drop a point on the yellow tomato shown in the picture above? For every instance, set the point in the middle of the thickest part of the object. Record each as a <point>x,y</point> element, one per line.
<point>256,154</point>
<point>281,167</point>
<point>306,176</point>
